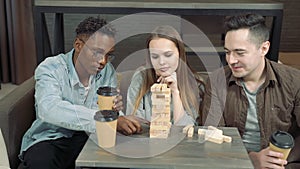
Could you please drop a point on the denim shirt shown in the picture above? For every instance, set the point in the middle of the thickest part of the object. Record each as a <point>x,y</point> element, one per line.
<point>60,101</point>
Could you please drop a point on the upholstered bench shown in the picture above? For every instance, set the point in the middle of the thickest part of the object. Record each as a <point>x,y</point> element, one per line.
<point>16,116</point>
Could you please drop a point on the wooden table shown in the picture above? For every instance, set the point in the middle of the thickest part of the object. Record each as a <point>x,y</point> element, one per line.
<point>189,153</point>
<point>174,7</point>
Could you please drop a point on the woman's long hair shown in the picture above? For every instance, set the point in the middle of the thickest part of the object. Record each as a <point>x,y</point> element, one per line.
<point>187,85</point>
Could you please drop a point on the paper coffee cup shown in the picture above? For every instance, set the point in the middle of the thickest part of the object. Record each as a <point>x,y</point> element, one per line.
<point>282,142</point>
<point>106,127</point>
<point>106,96</point>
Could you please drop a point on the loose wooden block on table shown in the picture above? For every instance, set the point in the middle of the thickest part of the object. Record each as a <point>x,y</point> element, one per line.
<point>186,128</point>
<point>191,132</point>
<point>214,134</point>
<point>227,139</point>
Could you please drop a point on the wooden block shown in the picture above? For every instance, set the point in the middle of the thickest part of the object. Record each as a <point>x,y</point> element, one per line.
<point>214,133</point>
<point>212,128</point>
<point>159,133</point>
<point>157,87</point>
<point>201,131</point>
<point>158,118</point>
<point>154,87</point>
<point>227,139</point>
<point>160,102</point>
<point>217,140</point>
<point>191,132</point>
<point>159,127</point>
<point>186,128</point>
<point>215,136</point>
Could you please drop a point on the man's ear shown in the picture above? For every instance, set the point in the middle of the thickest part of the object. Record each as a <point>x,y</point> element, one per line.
<point>77,45</point>
<point>265,47</point>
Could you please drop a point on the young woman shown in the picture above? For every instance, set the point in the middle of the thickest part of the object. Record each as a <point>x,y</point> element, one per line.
<point>166,63</point>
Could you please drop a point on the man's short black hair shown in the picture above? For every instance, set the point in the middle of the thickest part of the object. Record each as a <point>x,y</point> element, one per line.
<point>91,25</point>
<point>254,22</point>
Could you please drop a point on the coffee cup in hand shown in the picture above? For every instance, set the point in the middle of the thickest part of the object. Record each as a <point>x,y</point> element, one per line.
<point>282,142</point>
<point>106,96</point>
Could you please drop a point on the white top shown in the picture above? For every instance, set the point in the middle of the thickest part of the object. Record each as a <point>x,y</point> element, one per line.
<point>4,163</point>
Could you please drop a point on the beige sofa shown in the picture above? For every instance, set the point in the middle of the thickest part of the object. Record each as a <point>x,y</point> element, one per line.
<point>16,115</point>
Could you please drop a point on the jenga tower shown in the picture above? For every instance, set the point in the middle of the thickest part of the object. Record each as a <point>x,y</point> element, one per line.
<point>161,114</point>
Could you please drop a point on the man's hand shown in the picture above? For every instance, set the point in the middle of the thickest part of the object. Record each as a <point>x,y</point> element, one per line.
<point>128,125</point>
<point>118,103</point>
<point>267,158</point>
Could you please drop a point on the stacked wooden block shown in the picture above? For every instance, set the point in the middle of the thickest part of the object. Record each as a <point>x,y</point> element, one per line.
<point>161,113</point>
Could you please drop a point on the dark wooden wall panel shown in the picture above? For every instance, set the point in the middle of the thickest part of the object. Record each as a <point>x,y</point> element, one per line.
<point>290,35</point>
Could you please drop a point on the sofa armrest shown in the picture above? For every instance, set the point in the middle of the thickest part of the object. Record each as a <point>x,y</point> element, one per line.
<point>17,113</point>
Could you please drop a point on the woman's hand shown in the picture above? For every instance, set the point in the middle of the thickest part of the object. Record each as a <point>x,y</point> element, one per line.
<point>170,80</point>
